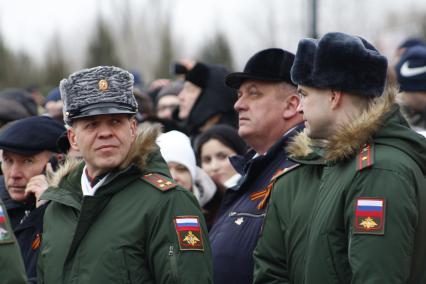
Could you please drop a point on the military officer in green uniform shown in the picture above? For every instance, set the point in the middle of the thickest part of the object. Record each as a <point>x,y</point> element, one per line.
<point>367,222</point>
<point>12,269</point>
<point>117,217</point>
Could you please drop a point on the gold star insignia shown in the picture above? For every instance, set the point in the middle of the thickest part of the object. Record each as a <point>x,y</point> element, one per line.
<point>103,85</point>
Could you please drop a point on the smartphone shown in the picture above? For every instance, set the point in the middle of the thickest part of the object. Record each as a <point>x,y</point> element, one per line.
<point>54,162</point>
<point>31,200</point>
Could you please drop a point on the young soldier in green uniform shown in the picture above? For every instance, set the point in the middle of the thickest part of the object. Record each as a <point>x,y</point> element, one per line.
<point>368,221</point>
<point>118,217</point>
<point>12,269</point>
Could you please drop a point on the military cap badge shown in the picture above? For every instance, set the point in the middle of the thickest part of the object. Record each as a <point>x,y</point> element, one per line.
<point>103,85</point>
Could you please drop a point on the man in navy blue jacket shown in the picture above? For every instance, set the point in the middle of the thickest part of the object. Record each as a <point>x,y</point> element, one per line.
<point>268,119</point>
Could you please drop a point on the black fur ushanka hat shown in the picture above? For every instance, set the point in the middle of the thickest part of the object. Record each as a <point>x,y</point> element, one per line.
<point>341,62</point>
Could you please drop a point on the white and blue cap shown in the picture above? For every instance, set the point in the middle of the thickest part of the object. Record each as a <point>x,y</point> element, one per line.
<point>96,91</point>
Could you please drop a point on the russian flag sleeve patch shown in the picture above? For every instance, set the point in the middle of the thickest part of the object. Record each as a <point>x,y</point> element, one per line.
<point>5,231</point>
<point>369,216</point>
<point>189,233</point>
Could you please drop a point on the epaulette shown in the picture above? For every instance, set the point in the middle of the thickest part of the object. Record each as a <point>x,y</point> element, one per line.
<point>263,195</point>
<point>365,157</point>
<point>159,181</point>
<point>283,171</point>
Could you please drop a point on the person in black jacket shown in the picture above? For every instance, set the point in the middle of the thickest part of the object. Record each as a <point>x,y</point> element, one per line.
<point>28,145</point>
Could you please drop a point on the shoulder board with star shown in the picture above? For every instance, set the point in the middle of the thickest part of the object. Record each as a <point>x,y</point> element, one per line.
<point>283,171</point>
<point>159,181</point>
<point>365,157</point>
<point>263,195</point>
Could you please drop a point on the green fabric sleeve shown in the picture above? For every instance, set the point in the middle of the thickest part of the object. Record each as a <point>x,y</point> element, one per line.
<point>11,266</point>
<point>168,263</point>
<point>12,269</point>
<point>270,255</point>
<point>383,258</point>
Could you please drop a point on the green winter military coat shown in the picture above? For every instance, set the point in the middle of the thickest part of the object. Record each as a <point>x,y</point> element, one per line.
<point>367,223</point>
<point>12,269</point>
<point>130,231</point>
<point>279,256</point>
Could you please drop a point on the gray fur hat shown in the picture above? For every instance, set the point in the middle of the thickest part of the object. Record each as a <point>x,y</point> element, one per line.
<point>98,90</point>
<point>341,62</point>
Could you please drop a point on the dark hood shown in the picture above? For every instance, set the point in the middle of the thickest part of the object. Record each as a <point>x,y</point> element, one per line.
<point>215,98</point>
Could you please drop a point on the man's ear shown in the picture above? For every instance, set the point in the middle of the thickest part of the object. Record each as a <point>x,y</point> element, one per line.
<point>335,98</point>
<point>291,105</point>
<point>133,128</point>
<point>72,139</point>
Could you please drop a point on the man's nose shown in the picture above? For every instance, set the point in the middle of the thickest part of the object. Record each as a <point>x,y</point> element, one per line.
<point>104,130</point>
<point>239,104</point>
<point>15,171</point>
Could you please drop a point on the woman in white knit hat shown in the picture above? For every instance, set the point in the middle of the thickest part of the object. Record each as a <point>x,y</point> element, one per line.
<point>177,151</point>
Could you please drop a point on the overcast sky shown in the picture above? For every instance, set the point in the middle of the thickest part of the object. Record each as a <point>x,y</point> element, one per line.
<point>28,25</point>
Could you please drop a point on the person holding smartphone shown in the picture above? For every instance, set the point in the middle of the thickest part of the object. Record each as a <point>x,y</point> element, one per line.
<point>27,147</point>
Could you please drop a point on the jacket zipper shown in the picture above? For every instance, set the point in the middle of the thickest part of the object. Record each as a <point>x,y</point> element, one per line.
<point>232,214</point>
<point>173,263</point>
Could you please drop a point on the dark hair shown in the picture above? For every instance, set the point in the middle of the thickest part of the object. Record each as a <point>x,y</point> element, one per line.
<point>225,134</point>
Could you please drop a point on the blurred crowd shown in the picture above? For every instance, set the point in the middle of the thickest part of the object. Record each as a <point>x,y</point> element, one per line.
<point>218,140</point>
